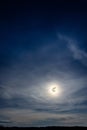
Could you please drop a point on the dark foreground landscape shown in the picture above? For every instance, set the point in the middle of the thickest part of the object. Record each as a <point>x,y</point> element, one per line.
<point>44,128</point>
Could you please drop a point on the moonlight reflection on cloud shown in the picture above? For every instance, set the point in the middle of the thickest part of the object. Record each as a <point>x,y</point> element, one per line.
<point>50,92</point>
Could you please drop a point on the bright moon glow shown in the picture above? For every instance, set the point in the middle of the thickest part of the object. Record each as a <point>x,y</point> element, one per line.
<point>54,90</point>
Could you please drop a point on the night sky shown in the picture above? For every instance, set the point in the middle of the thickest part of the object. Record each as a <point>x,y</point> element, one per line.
<point>43,63</point>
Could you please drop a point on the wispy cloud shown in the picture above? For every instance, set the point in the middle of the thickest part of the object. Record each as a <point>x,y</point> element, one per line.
<point>77,53</point>
<point>31,118</point>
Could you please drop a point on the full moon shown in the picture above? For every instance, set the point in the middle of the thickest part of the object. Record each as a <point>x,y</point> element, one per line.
<point>54,90</point>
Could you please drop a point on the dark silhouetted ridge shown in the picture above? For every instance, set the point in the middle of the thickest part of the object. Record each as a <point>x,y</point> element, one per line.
<point>44,128</point>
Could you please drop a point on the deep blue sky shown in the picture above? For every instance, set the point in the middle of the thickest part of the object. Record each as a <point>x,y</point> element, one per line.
<point>41,44</point>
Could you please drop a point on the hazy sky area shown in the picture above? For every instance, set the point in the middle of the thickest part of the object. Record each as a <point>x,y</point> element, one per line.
<point>43,63</point>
